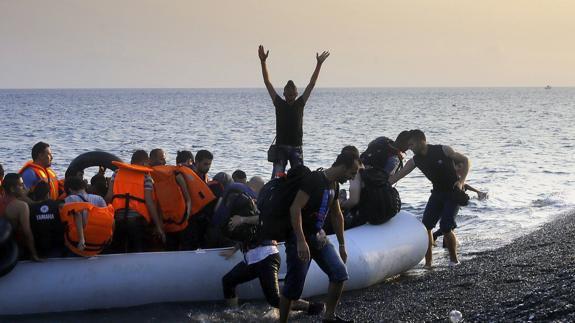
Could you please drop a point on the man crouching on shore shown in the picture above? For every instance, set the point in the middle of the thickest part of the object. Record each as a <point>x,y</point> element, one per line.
<point>315,200</point>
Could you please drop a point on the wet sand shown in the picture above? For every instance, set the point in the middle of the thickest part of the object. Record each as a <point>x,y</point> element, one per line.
<point>531,279</point>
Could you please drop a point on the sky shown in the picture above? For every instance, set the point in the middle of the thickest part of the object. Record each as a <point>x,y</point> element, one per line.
<point>213,43</point>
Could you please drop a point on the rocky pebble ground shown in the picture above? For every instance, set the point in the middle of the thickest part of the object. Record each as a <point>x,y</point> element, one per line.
<point>531,279</point>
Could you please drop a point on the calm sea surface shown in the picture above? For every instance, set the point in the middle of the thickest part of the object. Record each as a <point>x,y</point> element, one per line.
<point>521,143</point>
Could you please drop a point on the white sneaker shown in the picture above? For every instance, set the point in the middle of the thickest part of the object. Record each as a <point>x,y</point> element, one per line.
<point>454,264</point>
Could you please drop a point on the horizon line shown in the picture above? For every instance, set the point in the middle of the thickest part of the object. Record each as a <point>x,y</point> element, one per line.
<point>263,88</point>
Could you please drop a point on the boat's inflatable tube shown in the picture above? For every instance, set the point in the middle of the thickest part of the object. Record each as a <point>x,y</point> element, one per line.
<point>91,159</point>
<point>8,257</point>
<point>375,252</point>
<point>5,230</point>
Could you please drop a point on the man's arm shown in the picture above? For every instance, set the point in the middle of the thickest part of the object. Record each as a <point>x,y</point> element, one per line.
<point>30,178</point>
<point>228,253</point>
<point>184,187</point>
<point>458,159</point>
<point>409,166</point>
<point>24,219</point>
<point>237,220</point>
<point>298,203</point>
<point>338,227</point>
<point>79,222</point>
<point>110,194</point>
<point>263,56</point>
<point>320,59</point>
<point>354,193</point>
<point>154,213</point>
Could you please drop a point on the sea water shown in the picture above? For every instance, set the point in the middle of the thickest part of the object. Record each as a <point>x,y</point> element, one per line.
<point>520,142</point>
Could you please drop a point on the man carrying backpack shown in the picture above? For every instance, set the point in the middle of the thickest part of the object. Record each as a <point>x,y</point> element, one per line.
<point>315,200</point>
<point>239,220</point>
<point>371,198</point>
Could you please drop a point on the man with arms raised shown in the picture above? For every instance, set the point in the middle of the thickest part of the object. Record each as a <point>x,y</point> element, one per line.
<point>315,200</point>
<point>437,163</point>
<point>289,116</point>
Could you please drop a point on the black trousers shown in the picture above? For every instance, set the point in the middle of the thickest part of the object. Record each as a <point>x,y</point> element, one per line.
<point>129,235</point>
<point>267,272</point>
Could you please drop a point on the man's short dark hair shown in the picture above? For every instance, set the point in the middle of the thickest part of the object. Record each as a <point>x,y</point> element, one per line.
<point>38,149</point>
<point>290,85</point>
<point>155,153</point>
<point>74,183</point>
<point>401,142</point>
<point>139,156</point>
<point>183,156</point>
<point>345,159</point>
<point>417,135</point>
<point>99,185</point>
<point>239,174</point>
<point>350,150</point>
<point>10,181</point>
<point>203,155</point>
<point>41,191</point>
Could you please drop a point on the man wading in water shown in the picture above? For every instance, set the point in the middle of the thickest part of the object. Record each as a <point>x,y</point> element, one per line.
<point>289,116</point>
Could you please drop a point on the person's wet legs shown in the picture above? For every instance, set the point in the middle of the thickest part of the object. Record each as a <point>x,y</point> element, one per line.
<point>451,242</point>
<point>429,253</point>
<point>333,295</point>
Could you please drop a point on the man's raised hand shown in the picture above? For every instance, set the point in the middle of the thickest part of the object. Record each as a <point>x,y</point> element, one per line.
<point>320,58</point>
<point>263,54</point>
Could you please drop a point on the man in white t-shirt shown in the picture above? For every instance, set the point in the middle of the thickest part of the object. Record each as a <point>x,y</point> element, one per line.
<point>77,189</point>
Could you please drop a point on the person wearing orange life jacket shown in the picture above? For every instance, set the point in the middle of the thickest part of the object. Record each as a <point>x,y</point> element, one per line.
<point>173,197</point>
<point>131,192</point>
<point>38,169</point>
<point>16,211</point>
<point>202,200</point>
<point>88,221</point>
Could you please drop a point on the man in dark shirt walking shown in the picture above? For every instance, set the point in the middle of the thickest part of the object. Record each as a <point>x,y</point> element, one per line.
<point>289,115</point>
<point>316,200</point>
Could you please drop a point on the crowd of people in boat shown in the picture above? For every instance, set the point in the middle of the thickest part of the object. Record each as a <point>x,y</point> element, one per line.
<point>147,205</point>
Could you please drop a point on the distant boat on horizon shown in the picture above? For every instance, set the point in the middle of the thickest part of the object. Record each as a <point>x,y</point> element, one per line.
<point>548,87</point>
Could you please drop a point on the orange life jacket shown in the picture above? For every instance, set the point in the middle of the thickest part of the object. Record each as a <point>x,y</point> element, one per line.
<point>98,230</point>
<point>170,198</point>
<point>62,190</point>
<point>200,193</point>
<point>129,188</point>
<point>46,175</point>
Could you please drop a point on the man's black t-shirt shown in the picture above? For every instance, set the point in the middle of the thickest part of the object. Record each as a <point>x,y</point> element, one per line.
<point>289,121</point>
<point>321,195</point>
<point>46,226</point>
<point>438,168</point>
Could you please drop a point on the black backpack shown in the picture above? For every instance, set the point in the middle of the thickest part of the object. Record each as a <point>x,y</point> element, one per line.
<point>379,201</point>
<point>274,201</point>
<point>239,203</point>
<point>377,152</point>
